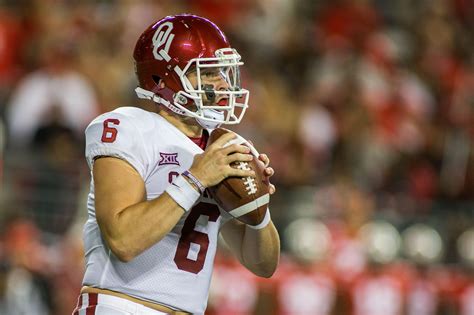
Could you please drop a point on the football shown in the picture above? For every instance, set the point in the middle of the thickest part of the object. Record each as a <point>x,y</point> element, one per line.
<point>244,198</point>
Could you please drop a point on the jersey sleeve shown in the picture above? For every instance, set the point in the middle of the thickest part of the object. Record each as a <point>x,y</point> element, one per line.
<point>116,135</point>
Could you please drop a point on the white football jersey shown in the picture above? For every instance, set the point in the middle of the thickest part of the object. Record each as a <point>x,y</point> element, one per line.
<point>177,270</point>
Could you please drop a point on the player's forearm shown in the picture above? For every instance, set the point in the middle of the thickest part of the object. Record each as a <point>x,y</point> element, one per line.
<point>261,250</point>
<point>138,227</point>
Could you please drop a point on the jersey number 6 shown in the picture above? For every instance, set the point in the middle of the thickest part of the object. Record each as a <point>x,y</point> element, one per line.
<point>190,235</point>
<point>109,134</point>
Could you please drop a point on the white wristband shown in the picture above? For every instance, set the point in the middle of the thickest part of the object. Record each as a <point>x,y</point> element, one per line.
<point>264,223</point>
<point>183,193</point>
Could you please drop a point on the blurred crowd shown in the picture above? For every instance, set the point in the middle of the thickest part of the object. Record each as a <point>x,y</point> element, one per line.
<point>365,107</point>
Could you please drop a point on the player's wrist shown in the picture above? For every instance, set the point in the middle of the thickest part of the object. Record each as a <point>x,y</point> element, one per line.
<point>265,222</point>
<point>183,192</point>
<point>193,180</point>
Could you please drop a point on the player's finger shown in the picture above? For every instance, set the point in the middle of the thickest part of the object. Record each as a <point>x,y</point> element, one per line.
<point>237,157</point>
<point>271,189</point>
<point>235,148</point>
<point>240,172</point>
<point>269,171</point>
<point>219,143</point>
<point>264,158</point>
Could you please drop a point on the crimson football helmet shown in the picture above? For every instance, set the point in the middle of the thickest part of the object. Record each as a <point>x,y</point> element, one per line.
<point>302,235</point>
<point>422,244</point>
<point>381,241</point>
<point>175,46</point>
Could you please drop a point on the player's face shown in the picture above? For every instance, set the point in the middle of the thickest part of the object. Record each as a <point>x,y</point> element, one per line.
<point>211,80</point>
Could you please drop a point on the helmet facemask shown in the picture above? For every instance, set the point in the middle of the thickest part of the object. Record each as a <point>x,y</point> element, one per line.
<point>199,100</point>
<point>231,100</point>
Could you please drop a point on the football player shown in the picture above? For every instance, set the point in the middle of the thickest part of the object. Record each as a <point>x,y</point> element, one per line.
<point>152,230</point>
<point>379,290</point>
<point>233,290</point>
<point>304,284</point>
<point>423,247</point>
<point>464,300</point>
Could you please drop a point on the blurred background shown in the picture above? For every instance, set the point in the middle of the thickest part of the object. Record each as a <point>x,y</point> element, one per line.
<point>365,107</point>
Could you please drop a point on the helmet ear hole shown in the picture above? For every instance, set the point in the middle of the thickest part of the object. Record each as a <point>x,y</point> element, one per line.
<point>156,79</point>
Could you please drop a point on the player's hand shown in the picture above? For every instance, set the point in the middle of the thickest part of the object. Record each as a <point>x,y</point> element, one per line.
<point>213,165</point>
<point>268,172</point>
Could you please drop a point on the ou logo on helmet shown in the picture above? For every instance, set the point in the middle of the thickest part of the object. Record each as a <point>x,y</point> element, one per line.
<point>163,37</point>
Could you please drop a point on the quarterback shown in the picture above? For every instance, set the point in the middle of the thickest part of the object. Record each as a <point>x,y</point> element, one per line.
<point>152,229</point>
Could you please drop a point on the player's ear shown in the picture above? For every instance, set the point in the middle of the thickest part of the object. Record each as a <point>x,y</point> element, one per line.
<point>159,81</point>
<point>161,84</point>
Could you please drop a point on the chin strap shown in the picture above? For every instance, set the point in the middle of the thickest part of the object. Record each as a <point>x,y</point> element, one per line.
<point>145,94</point>
<point>210,114</point>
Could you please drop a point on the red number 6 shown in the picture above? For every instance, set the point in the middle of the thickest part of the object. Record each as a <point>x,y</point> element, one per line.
<point>190,235</point>
<point>109,134</point>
